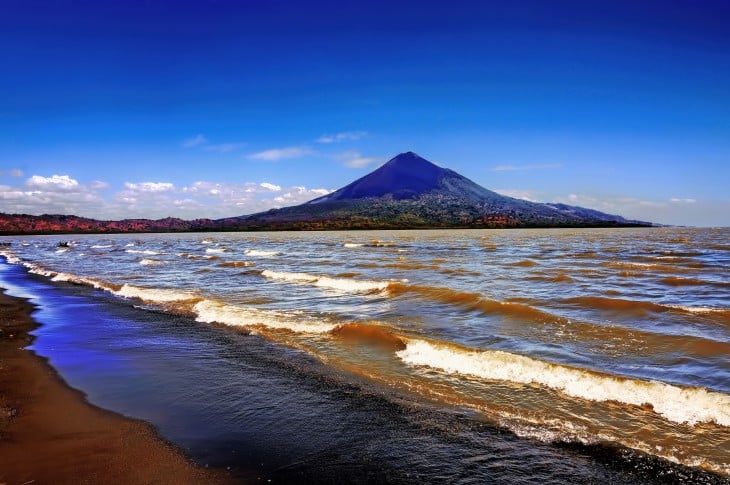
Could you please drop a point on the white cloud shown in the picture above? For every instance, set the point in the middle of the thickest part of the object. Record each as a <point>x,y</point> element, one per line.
<point>338,137</point>
<point>272,187</point>
<point>527,195</point>
<point>281,153</point>
<point>539,166</point>
<point>149,186</point>
<point>54,182</point>
<point>298,195</point>
<point>57,194</point>
<point>195,141</point>
<point>63,194</point>
<point>355,159</point>
<point>678,200</point>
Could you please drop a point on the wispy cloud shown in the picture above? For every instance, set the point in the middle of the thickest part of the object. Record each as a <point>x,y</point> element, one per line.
<point>527,195</point>
<point>356,160</point>
<point>344,136</point>
<point>15,172</point>
<point>98,185</point>
<point>202,142</point>
<point>679,200</point>
<point>281,153</point>
<point>223,147</point>
<point>616,205</point>
<point>536,166</point>
<point>195,141</point>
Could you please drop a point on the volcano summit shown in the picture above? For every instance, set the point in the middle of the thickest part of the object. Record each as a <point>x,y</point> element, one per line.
<point>411,192</point>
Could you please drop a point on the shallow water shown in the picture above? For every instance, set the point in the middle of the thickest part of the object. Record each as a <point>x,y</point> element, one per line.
<point>602,339</point>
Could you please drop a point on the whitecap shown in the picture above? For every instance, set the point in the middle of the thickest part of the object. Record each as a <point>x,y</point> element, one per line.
<point>215,312</point>
<point>260,253</point>
<point>348,285</point>
<point>142,251</point>
<point>679,404</point>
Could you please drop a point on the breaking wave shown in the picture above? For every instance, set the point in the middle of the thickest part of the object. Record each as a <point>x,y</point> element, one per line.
<point>10,257</point>
<point>678,404</point>
<point>155,295</point>
<point>260,253</point>
<point>369,334</point>
<point>657,267</point>
<point>208,311</point>
<point>142,251</point>
<point>342,284</point>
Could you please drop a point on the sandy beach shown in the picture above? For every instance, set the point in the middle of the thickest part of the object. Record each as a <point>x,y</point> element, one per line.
<point>50,434</point>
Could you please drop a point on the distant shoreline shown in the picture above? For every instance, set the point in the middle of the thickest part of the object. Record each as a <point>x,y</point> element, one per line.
<point>49,433</point>
<point>320,228</point>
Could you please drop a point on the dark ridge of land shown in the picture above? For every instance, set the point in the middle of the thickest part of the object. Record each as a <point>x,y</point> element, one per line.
<point>50,434</point>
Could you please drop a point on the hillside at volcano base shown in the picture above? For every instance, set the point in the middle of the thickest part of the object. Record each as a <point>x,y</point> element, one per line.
<point>407,192</point>
<point>411,192</point>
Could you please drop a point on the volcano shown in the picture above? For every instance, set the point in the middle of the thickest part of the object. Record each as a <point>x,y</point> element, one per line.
<point>410,192</point>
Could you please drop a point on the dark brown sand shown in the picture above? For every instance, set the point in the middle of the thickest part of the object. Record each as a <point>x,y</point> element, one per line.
<point>50,434</point>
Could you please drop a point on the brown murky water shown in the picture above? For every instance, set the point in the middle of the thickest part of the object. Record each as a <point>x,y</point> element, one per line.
<point>593,336</point>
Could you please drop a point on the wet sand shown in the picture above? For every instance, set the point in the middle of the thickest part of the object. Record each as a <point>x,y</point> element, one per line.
<point>50,434</point>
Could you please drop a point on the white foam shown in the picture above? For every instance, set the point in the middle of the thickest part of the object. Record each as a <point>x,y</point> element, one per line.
<point>215,250</point>
<point>215,312</point>
<point>150,262</point>
<point>142,251</point>
<point>155,295</point>
<point>77,280</point>
<point>62,250</point>
<point>129,245</point>
<point>262,254</point>
<point>206,241</point>
<point>101,246</point>
<point>10,257</point>
<point>699,309</point>
<point>678,404</point>
<point>353,245</point>
<point>347,285</point>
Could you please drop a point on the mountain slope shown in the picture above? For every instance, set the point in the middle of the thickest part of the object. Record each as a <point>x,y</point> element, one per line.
<point>409,191</point>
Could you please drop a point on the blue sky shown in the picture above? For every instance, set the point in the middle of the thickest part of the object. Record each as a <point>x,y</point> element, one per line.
<point>220,108</point>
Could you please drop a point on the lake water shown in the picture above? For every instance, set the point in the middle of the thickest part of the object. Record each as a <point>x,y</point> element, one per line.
<point>507,355</point>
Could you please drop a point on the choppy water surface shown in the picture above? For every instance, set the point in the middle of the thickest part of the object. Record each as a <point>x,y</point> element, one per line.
<point>590,336</point>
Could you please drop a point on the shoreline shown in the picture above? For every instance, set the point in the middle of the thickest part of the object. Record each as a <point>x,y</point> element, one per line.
<point>49,433</point>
